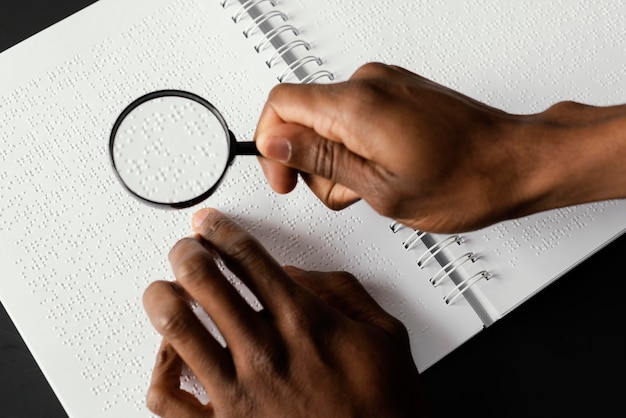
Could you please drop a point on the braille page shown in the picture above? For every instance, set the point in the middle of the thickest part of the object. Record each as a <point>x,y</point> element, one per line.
<point>518,56</point>
<point>77,251</point>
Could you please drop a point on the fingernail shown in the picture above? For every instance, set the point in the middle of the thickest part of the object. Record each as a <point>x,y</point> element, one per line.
<point>278,148</point>
<point>199,217</point>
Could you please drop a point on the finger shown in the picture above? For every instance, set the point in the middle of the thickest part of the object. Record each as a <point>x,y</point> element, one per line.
<point>165,397</point>
<point>196,271</point>
<point>247,259</point>
<point>339,112</point>
<point>282,179</point>
<point>322,108</point>
<point>308,152</point>
<point>172,317</point>
<point>346,294</point>
<point>334,195</point>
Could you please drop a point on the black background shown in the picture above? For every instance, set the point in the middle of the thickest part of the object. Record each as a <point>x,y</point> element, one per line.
<point>560,354</point>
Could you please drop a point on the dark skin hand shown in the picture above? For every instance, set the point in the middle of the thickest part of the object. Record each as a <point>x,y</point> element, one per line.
<point>433,158</point>
<point>320,347</point>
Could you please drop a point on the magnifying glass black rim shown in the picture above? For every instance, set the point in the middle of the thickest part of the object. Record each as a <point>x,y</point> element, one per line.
<point>169,93</point>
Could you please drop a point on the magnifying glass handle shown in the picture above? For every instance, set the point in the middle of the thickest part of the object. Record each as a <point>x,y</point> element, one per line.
<point>247,148</point>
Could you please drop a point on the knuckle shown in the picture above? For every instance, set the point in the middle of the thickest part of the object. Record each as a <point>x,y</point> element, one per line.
<point>221,226</point>
<point>294,321</point>
<point>179,249</point>
<point>371,69</point>
<point>341,282</point>
<point>325,159</point>
<point>231,239</point>
<point>261,361</point>
<point>565,111</point>
<point>192,269</point>
<point>567,105</point>
<point>396,328</point>
<point>346,278</point>
<point>268,362</point>
<point>369,97</point>
<point>279,91</point>
<point>244,249</point>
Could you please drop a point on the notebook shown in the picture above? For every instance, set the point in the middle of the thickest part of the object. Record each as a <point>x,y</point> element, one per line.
<point>78,251</point>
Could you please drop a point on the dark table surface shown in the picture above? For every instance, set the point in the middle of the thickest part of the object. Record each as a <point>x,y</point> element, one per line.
<point>560,354</point>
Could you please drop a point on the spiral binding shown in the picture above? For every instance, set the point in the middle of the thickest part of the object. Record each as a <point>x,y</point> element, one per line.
<point>293,67</point>
<point>460,288</point>
<point>311,78</point>
<point>414,238</point>
<point>436,248</point>
<point>245,7</point>
<point>294,64</point>
<point>262,18</point>
<point>395,226</point>
<point>267,38</point>
<point>449,268</point>
<point>283,49</point>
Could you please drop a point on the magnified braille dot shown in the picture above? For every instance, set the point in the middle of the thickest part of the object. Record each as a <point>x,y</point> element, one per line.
<point>173,148</point>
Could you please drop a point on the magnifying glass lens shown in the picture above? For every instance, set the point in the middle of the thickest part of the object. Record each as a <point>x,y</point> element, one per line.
<point>170,149</point>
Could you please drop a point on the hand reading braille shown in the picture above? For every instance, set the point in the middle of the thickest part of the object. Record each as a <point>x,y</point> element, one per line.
<point>321,346</point>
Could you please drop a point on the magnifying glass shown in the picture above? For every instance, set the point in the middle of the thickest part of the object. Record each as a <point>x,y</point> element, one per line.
<point>172,148</point>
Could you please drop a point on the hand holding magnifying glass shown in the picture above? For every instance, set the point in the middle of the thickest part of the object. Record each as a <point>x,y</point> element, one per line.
<point>172,148</point>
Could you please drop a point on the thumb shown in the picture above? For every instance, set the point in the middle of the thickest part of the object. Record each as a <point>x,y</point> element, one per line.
<point>333,172</point>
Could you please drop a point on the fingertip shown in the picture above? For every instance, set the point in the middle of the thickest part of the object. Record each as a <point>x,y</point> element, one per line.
<point>155,292</point>
<point>148,295</point>
<point>199,217</point>
<point>304,278</point>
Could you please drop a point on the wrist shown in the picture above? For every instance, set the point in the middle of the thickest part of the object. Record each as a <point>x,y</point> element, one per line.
<point>573,154</point>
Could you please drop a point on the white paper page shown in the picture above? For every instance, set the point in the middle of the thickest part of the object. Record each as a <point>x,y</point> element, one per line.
<point>518,56</point>
<point>78,251</point>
